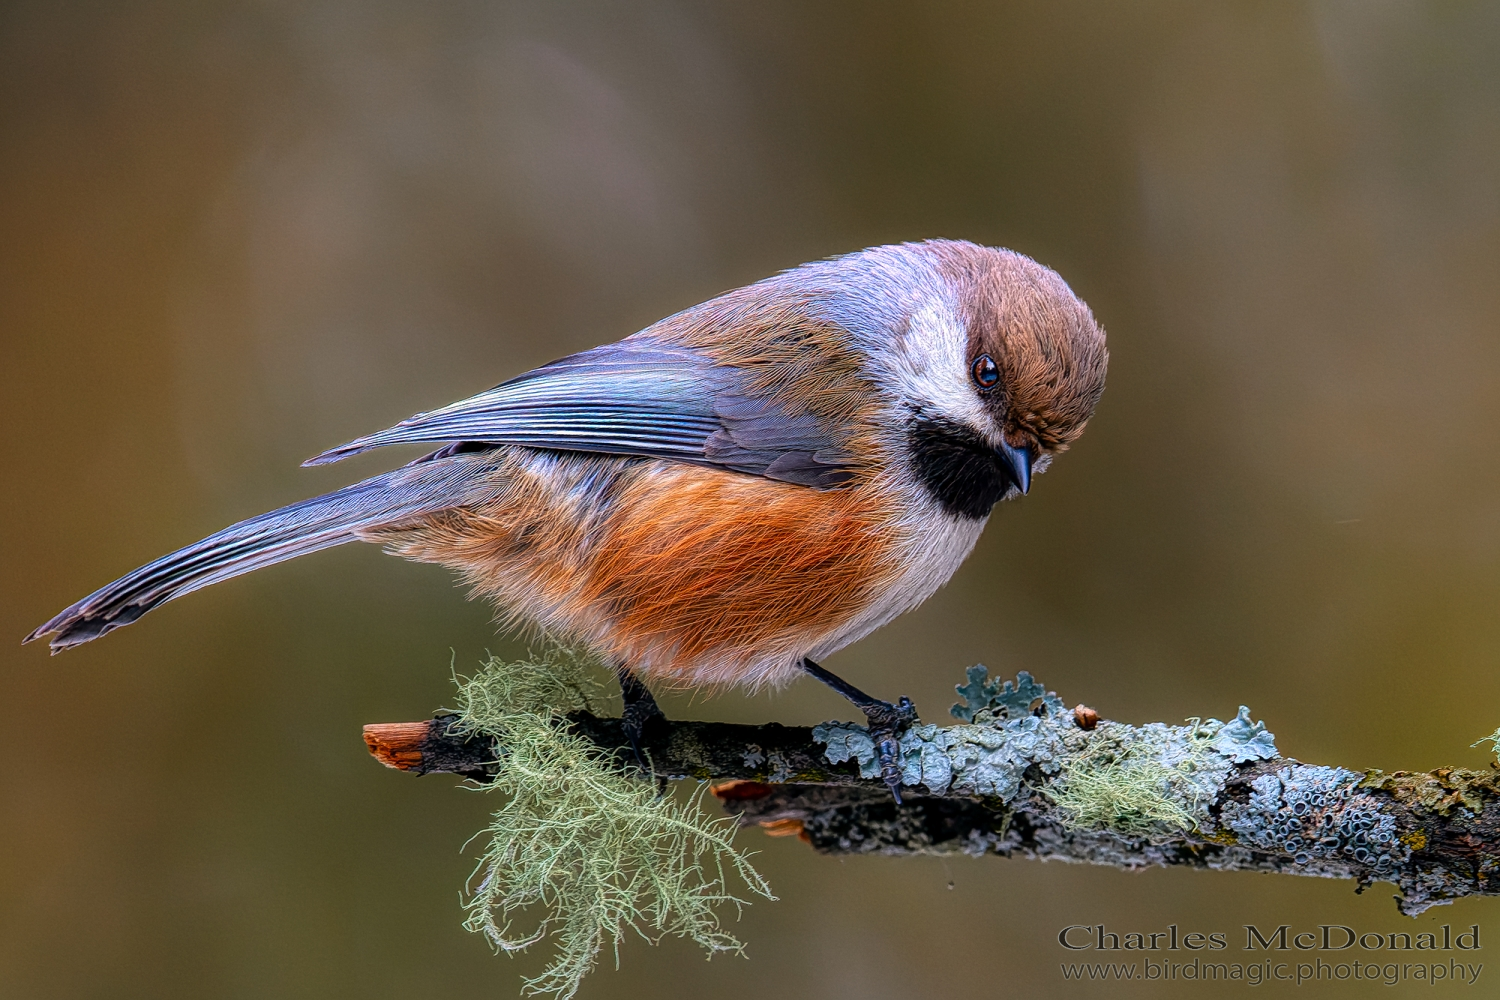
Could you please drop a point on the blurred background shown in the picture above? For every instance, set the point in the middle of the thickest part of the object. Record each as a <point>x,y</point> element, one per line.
<point>238,233</point>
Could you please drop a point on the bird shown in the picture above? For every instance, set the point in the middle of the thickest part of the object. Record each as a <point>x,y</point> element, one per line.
<point>729,495</point>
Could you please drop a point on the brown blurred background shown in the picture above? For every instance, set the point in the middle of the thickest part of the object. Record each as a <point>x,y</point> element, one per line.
<point>237,233</point>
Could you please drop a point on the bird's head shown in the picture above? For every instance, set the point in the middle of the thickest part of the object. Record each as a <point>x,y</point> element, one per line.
<point>962,368</point>
<point>992,362</point>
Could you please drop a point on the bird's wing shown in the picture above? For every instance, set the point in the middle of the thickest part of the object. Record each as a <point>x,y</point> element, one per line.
<point>635,397</point>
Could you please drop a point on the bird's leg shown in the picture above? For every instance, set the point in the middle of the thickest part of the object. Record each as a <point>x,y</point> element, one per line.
<point>887,722</point>
<point>639,711</point>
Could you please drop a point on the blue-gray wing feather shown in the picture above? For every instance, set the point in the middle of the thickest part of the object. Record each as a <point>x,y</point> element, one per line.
<point>635,397</point>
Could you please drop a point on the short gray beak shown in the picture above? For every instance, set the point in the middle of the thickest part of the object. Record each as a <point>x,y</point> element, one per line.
<point>1017,462</point>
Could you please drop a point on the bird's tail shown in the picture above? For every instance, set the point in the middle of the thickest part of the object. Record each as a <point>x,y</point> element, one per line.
<point>319,523</point>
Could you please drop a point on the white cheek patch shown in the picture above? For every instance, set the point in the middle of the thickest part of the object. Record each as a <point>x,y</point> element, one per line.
<point>930,367</point>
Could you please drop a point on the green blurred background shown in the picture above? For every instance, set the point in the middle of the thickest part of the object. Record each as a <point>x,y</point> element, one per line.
<point>237,233</point>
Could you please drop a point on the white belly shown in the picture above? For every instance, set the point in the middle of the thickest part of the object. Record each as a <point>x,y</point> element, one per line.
<point>930,557</point>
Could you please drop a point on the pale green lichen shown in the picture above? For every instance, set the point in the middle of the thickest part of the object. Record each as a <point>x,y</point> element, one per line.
<point>1120,781</point>
<point>1493,739</point>
<point>557,681</point>
<point>1142,780</point>
<point>580,851</point>
<point>1135,780</point>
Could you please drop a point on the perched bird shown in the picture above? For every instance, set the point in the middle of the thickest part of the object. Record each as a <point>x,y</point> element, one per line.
<point>733,492</point>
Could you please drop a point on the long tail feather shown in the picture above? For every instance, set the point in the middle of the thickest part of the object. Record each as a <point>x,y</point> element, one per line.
<point>297,530</point>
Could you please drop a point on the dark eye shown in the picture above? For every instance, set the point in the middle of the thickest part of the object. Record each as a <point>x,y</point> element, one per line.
<point>986,373</point>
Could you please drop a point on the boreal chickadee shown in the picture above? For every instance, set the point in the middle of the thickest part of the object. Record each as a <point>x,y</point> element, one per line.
<point>733,492</point>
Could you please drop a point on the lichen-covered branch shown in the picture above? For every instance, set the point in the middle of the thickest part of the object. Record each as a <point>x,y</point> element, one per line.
<point>1024,776</point>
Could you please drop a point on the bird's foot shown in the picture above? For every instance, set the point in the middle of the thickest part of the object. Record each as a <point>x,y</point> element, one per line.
<point>640,710</point>
<point>886,723</point>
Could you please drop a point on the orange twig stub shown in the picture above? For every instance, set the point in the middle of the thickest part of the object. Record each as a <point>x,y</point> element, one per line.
<point>790,827</point>
<point>739,789</point>
<point>397,744</point>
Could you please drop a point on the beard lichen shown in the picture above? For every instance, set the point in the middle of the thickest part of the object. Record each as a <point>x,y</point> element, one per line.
<point>1120,783</point>
<point>582,852</point>
<point>1493,739</point>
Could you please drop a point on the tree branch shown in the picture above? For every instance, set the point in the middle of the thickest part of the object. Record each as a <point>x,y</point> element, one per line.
<point>1435,835</point>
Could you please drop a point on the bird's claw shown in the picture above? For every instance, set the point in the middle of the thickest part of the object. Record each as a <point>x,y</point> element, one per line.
<point>886,723</point>
<point>639,711</point>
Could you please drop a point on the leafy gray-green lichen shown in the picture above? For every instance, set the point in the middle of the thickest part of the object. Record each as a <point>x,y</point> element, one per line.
<point>1127,778</point>
<point>1318,815</point>
<point>985,759</point>
<point>1242,741</point>
<point>1008,699</point>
